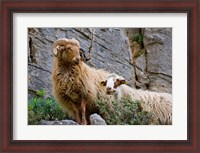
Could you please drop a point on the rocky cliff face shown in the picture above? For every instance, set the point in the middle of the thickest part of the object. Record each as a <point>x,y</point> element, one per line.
<point>110,50</point>
<point>158,45</point>
<point>142,55</point>
<point>152,58</point>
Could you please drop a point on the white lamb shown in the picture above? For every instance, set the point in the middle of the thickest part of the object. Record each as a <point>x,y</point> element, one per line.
<point>159,104</point>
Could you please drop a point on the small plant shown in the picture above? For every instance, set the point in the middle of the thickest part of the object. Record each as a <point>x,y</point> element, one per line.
<point>123,113</point>
<point>139,39</point>
<point>47,109</point>
<point>41,93</point>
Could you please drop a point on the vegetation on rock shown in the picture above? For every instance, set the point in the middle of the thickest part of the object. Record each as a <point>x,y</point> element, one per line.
<point>139,39</point>
<point>127,112</point>
<point>43,108</point>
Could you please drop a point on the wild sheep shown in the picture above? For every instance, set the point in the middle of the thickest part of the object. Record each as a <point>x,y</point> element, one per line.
<point>159,104</point>
<point>75,85</point>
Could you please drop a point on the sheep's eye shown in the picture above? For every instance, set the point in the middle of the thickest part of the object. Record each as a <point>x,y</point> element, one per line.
<point>68,48</point>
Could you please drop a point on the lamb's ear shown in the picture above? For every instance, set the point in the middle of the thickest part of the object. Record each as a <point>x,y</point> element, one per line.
<point>103,83</point>
<point>121,81</point>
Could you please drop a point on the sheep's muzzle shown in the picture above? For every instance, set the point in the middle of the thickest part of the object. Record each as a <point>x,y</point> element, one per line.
<point>77,60</point>
<point>109,91</point>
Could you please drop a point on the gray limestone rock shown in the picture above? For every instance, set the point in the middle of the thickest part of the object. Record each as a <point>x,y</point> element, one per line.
<point>110,51</point>
<point>95,119</point>
<point>158,44</point>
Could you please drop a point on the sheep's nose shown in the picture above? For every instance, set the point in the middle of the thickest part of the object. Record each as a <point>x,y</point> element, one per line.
<point>109,90</point>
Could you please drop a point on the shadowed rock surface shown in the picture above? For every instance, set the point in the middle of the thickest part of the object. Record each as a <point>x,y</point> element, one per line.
<point>110,51</point>
<point>153,58</point>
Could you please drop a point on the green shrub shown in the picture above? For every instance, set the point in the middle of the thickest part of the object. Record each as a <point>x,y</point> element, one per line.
<point>41,93</point>
<point>138,38</point>
<point>44,108</point>
<point>127,112</point>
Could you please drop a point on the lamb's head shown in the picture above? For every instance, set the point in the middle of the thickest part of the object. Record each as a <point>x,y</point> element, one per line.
<point>112,83</point>
<point>67,50</point>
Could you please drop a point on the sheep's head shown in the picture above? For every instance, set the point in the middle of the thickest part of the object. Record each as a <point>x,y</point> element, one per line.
<point>67,50</point>
<point>112,82</point>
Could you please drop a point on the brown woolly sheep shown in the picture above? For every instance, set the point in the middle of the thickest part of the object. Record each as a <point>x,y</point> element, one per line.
<point>75,84</point>
<point>159,104</point>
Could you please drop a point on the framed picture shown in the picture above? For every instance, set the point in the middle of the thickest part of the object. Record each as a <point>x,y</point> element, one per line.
<point>152,46</point>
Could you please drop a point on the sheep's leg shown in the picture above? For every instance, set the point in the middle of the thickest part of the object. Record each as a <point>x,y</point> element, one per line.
<point>83,109</point>
<point>76,112</point>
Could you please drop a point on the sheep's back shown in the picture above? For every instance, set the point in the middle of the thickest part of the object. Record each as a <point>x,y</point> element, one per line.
<point>160,104</point>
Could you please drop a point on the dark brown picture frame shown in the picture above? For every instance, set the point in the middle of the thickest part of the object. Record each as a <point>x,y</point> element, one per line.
<point>9,7</point>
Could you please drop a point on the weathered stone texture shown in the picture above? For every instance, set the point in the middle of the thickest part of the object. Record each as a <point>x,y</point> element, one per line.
<point>110,51</point>
<point>152,58</point>
<point>95,119</point>
<point>158,45</point>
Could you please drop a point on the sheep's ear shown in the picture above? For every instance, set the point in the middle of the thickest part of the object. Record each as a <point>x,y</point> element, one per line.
<point>103,83</point>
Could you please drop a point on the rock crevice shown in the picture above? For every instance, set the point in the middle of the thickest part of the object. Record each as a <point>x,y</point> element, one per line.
<point>152,58</point>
